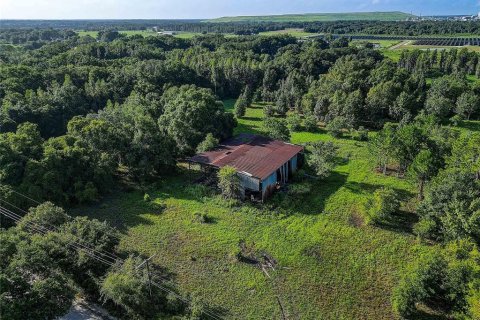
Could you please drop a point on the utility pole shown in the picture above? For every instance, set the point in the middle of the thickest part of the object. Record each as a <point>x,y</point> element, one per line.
<point>148,273</point>
<point>149,281</point>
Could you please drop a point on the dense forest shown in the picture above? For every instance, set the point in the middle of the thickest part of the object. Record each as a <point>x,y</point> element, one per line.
<point>78,114</point>
<point>93,101</point>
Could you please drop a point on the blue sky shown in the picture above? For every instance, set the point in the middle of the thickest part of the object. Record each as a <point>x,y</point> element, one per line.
<point>174,9</point>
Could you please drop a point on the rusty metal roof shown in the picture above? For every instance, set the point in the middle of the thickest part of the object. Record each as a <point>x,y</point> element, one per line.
<point>256,155</point>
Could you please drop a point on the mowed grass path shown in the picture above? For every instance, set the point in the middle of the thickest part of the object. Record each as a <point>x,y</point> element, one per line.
<point>330,264</point>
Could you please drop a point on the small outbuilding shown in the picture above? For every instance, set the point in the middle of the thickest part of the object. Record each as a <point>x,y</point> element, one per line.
<point>167,33</point>
<point>263,164</point>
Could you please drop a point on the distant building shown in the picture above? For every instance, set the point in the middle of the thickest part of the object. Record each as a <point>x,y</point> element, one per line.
<point>167,33</point>
<point>263,164</point>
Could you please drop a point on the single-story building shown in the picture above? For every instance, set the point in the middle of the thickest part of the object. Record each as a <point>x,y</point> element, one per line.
<point>262,163</point>
<point>167,33</point>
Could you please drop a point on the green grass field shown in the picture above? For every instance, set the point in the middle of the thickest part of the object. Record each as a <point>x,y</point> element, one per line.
<point>384,44</point>
<point>84,33</point>
<point>331,265</point>
<point>428,47</point>
<point>186,35</point>
<point>126,32</point>
<point>381,16</point>
<point>145,33</point>
<point>295,32</point>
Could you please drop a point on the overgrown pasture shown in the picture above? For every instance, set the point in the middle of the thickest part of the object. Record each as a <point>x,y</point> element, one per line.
<point>329,264</point>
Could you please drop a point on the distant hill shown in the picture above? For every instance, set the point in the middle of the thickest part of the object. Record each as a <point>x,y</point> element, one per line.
<point>311,17</point>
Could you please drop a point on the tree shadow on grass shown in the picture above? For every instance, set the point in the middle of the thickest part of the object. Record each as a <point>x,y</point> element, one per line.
<point>318,130</point>
<point>369,188</point>
<point>422,315</point>
<point>255,119</point>
<point>311,202</point>
<point>401,221</point>
<point>112,210</point>
<point>470,125</point>
<point>244,128</point>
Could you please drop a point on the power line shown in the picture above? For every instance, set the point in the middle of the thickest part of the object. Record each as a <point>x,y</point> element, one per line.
<point>38,203</point>
<point>43,230</point>
<point>26,197</point>
<point>79,246</point>
<point>55,228</point>
<point>115,257</point>
<point>113,235</point>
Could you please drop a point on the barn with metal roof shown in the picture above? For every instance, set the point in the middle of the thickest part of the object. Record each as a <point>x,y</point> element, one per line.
<point>263,164</point>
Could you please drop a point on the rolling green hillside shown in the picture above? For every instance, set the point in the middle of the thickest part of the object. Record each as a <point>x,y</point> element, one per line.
<point>309,17</point>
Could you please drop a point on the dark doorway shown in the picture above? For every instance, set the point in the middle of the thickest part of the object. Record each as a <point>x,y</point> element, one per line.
<point>290,172</point>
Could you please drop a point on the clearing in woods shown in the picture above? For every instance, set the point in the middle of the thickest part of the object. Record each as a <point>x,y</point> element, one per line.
<point>329,263</point>
<point>144,33</point>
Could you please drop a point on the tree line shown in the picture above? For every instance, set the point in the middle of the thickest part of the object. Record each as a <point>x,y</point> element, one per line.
<point>444,164</point>
<point>405,28</point>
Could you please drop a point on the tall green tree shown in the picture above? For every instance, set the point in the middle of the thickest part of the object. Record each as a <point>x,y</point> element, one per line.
<point>190,113</point>
<point>467,105</point>
<point>323,158</point>
<point>422,169</point>
<point>276,128</point>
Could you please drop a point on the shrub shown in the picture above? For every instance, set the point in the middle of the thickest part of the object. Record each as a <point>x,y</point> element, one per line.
<point>382,205</point>
<point>335,126</point>
<point>440,281</point>
<point>208,144</point>
<point>196,308</point>
<point>299,189</point>
<point>127,288</point>
<point>323,158</point>
<point>240,106</point>
<point>361,134</point>
<point>268,111</point>
<point>157,207</point>
<point>229,182</point>
<point>294,122</point>
<point>310,123</point>
<point>456,120</point>
<point>276,129</point>
<point>87,193</point>
<point>201,217</point>
<point>146,197</point>
<point>425,228</point>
